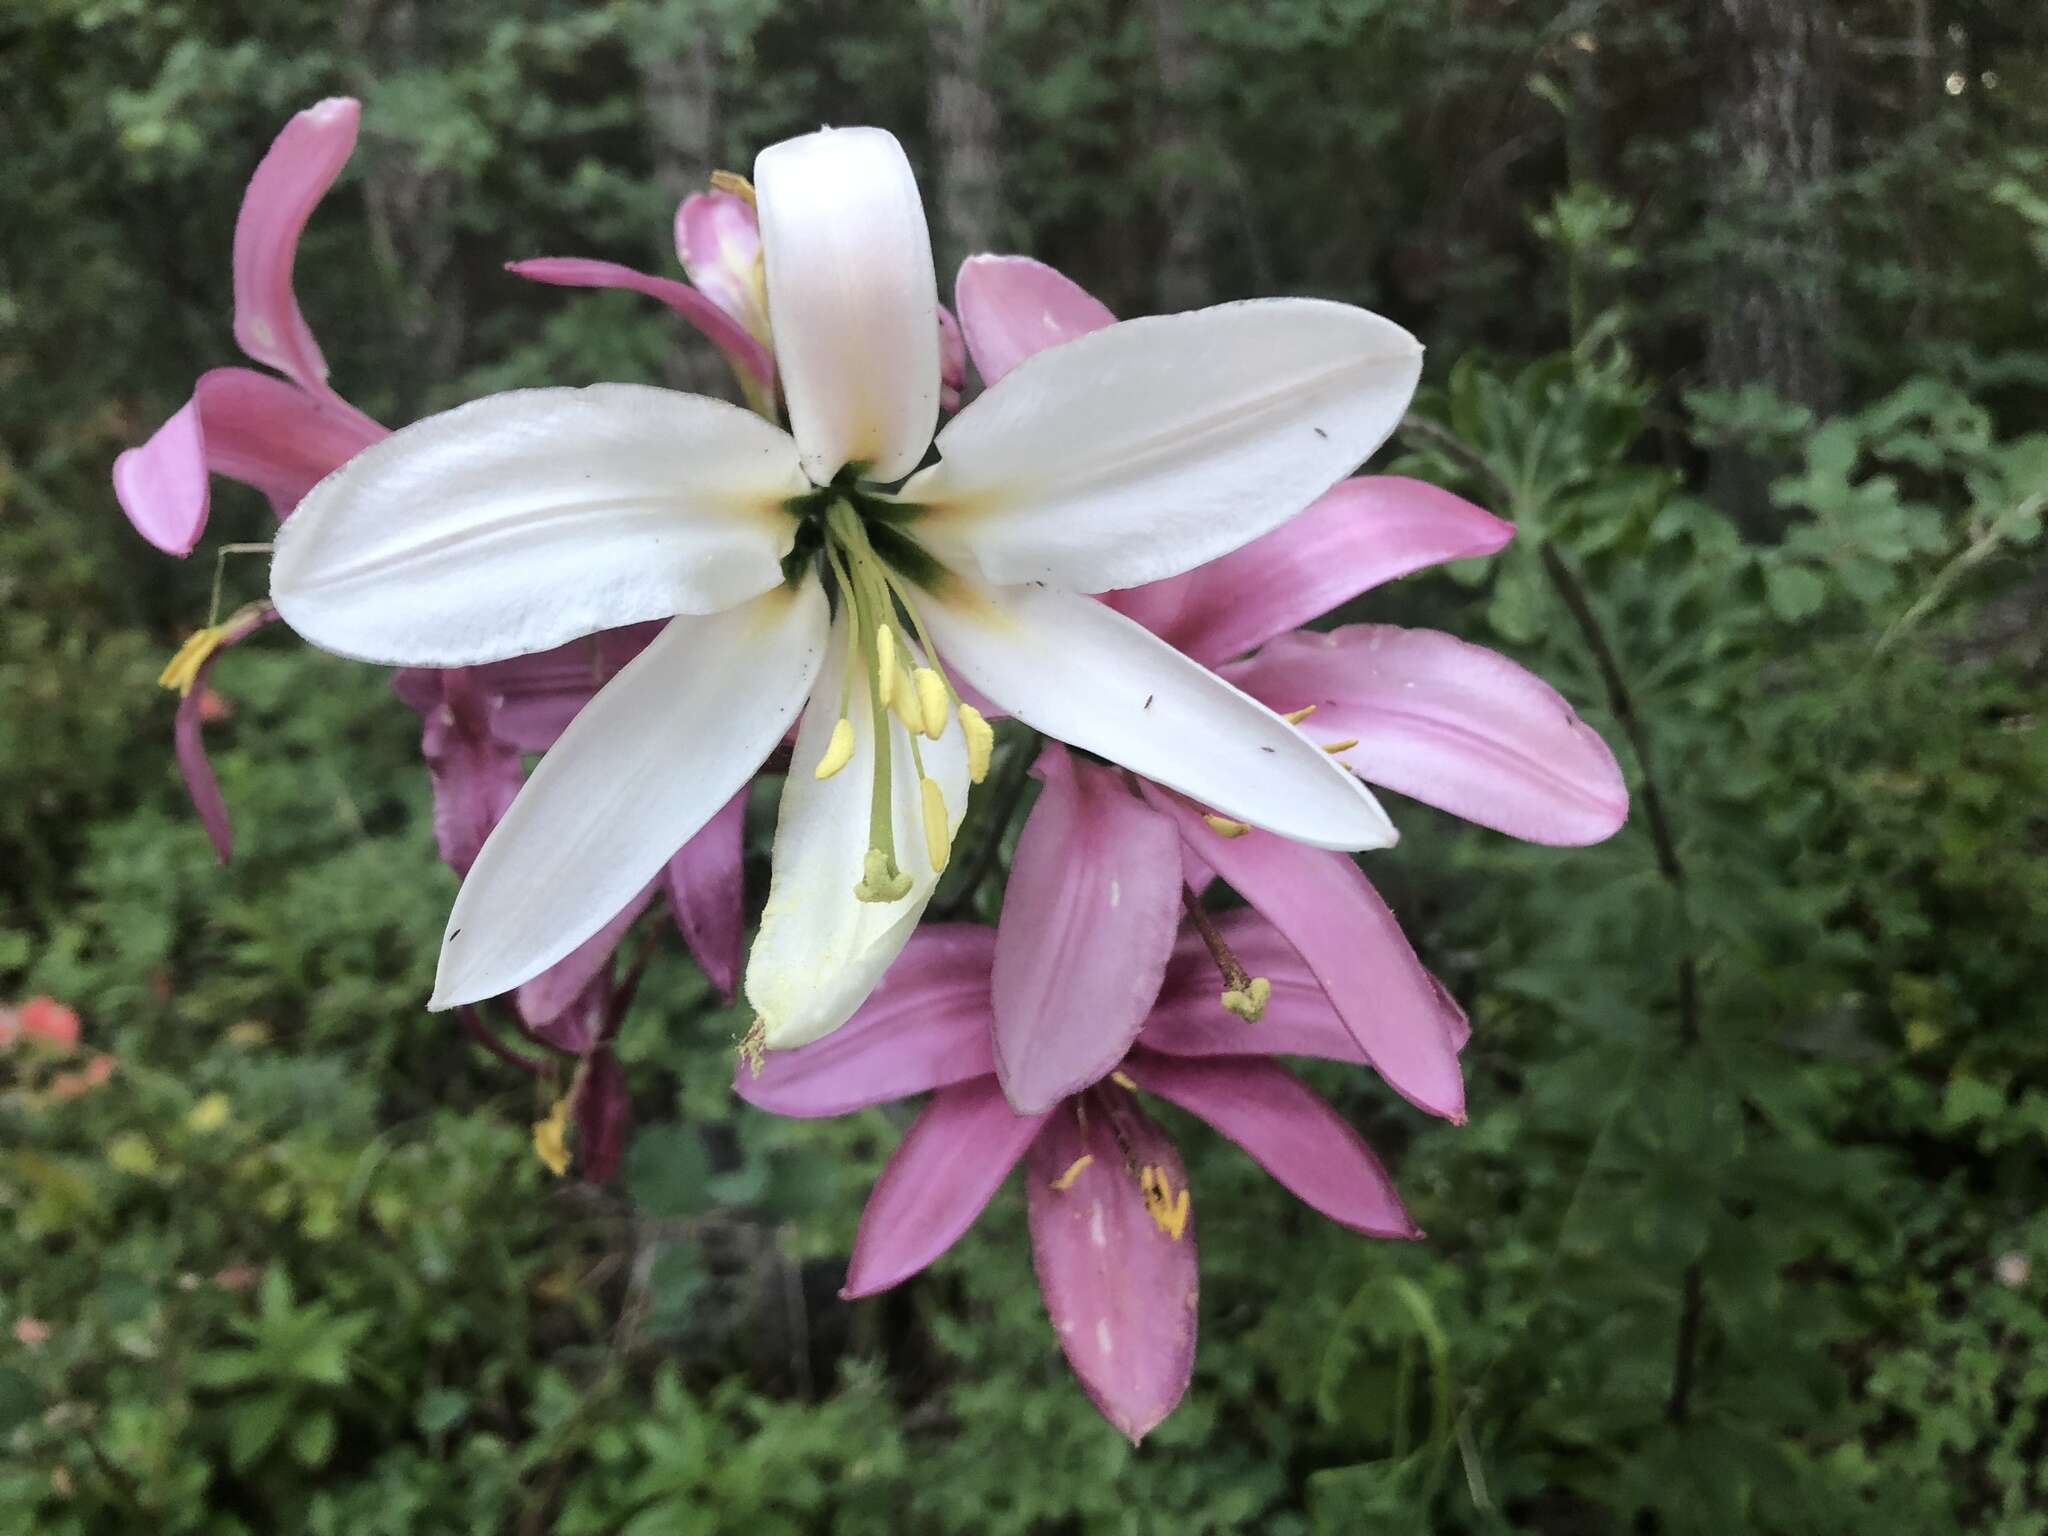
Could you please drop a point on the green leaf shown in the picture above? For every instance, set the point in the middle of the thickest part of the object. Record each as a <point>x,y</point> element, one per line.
<point>1794,592</point>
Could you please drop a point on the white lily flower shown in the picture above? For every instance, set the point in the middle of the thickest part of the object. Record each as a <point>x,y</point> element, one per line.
<point>799,585</point>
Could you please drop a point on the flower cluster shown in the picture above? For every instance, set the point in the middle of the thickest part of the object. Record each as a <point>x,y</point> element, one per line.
<point>1110,552</point>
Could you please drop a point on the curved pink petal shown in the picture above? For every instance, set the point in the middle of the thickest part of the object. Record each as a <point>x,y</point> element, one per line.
<point>1289,1131</point>
<point>952,361</point>
<point>1119,1285</point>
<point>1012,307</point>
<point>189,744</point>
<point>926,1026</point>
<point>748,358</point>
<point>718,241</point>
<point>1300,1020</point>
<point>576,1024</point>
<point>949,1165</point>
<point>550,994</point>
<point>535,697</point>
<point>1087,925</point>
<point>706,883</point>
<point>474,775</point>
<point>603,1110</point>
<point>1359,534</point>
<point>163,485</point>
<point>1452,724</point>
<point>292,177</point>
<point>1323,904</point>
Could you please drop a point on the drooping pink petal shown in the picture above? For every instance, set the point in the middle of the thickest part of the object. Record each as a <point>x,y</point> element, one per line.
<point>1087,925</point>
<point>925,1026</point>
<point>189,743</point>
<point>1289,1131</point>
<point>1300,1020</point>
<point>1359,534</point>
<point>475,776</point>
<point>1012,307</point>
<point>162,485</point>
<point>289,182</point>
<point>748,358</point>
<point>950,1163</point>
<point>952,361</point>
<point>1453,724</point>
<point>576,1025</point>
<point>1323,904</point>
<point>1119,1283</point>
<point>550,993</point>
<point>718,241</point>
<point>603,1110</point>
<point>706,884</point>
<point>537,696</point>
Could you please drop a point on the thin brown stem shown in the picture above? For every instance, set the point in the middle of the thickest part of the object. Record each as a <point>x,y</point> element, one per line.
<point>475,1028</point>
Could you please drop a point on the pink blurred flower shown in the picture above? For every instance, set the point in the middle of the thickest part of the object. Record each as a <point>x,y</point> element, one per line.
<point>66,1086</point>
<point>47,1020</point>
<point>1095,894</point>
<point>1111,1217</point>
<point>31,1332</point>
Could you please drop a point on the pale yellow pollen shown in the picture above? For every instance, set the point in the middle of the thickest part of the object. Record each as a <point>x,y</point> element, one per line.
<point>1296,716</point>
<point>1065,1181</point>
<point>1223,826</point>
<point>838,751</point>
<point>938,840</point>
<point>753,1046</point>
<point>1167,1207</point>
<point>902,702</point>
<point>880,879</point>
<point>1334,747</point>
<point>1123,1080</point>
<point>981,742</point>
<point>551,1138</point>
<point>736,184</point>
<point>1249,1001</point>
<point>885,664</point>
<point>182,670</point>
<point>931,698</point>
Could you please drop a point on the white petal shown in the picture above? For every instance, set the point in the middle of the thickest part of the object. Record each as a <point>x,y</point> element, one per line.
<point>523,520</point>
<point>647,762</point>
<point>1078,670</point>
<point>820,950</point>
<point>1150,447</point>
<point>851,299</point>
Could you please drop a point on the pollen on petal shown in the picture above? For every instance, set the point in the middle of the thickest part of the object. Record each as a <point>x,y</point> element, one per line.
<point>981,742</point>
<point>1296,716</point>
<point>1223,826</point>
<point>736,184</point>
<point>838,751</point>
<point>551,1139</point>
<point>1075,1169</point>
<point>938,841</point>
<point>1334,747</point>
<point>1249,1001</point>
<point>181,672</point>
<point>902,702</point>
<point>931,700</point>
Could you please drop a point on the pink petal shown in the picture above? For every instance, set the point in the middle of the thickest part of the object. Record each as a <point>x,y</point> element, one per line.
<point>1355,536</point>
<point>189,744</point>
<point>603,1110</point>
<point>474,775</point>
<point>1289,1131</point>
<point>718,241</point>
<point>1011,307</point>
<point>748,358</point>
<point>537,696</point>
<point>1120,1290</point>
<point>1300,1020</point>
<point>926,1026</point>
<point>1323,904</point>
<point>289,183</point>
<point>1450,723</point>
<point>1087,925</point>
<point>952,361</point>
<point>577,1024</point>
<point>550,993</point>
<point>949,1165</point>
<point>247,426</point>
<point>706,883</point>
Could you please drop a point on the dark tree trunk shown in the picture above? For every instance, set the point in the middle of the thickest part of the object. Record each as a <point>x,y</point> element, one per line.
<point>1187,196</point>
<point>1774,315</point>
<point>965,134</point>
<point>677,61</point>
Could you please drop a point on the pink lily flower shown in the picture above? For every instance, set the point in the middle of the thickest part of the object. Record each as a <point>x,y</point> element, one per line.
<point>1095,894</point>
<point>1111,1217</point>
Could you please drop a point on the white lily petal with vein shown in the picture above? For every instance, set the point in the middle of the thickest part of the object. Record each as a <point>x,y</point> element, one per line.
<point>526,520</point>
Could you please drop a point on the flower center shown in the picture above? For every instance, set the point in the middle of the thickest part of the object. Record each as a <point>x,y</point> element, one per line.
<point>892,662</point>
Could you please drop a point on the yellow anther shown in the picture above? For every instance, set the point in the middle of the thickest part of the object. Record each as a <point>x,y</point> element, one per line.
<point>1123,1080</point>
<point>885,663</point>
<point>1065,1181</point>
<point>182,670</point>
<point>902,702</point>
<point>938,838</point>
<point>551,1139</point>
<point>931,699</point>
<point>880,879</point>
<point>838,751</point>
<point>753,1046</point>
<point>1296,716</point>
<point>1334,747</point>
<point>981,742</point>
<point>1249,1001</point>
<point>1223,826</point>
<point>736,184</point>
<point>1167,1208</point>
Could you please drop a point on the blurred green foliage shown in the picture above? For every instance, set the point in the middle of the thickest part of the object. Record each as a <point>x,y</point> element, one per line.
<point>1745,1232</point>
